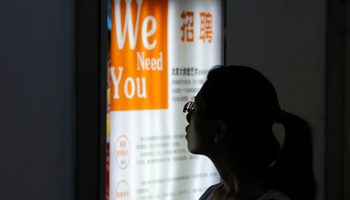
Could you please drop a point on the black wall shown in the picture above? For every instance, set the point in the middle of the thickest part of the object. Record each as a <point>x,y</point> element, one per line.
<point>37,99</point>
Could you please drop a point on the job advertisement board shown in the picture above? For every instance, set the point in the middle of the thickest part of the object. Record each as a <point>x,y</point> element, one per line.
<point>161,51</point>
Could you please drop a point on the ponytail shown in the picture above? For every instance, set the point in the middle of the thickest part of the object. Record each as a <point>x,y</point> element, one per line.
<point>293,170</point>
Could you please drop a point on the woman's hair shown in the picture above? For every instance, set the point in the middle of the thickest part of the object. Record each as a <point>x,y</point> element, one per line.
<point>247,101</point>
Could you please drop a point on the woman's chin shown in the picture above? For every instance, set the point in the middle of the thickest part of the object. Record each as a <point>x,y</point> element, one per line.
<point>189,147</point>
<point>192,150</point>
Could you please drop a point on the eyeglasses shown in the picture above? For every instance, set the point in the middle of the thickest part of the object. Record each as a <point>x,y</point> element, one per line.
<point>189,107</point>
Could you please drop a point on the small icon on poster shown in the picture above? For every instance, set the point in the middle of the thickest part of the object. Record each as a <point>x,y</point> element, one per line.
<point>122,152</point>
<point>123,191</point>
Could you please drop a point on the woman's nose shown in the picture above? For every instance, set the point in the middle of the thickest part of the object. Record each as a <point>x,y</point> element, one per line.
<point>188,117</point>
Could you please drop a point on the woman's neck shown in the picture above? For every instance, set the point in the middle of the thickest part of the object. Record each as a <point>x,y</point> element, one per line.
<point>238,181</point>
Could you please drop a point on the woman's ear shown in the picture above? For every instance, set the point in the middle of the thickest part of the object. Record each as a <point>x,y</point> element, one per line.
<point>220,131</point>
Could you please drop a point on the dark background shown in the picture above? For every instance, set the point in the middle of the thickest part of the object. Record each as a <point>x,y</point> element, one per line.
<point>37,99</point>
<point>299,45</point>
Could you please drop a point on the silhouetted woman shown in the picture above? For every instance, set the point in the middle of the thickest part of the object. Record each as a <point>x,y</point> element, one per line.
<point>231,123</point>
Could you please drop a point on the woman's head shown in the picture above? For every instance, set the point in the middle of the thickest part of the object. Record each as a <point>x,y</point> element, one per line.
<point>246,102</point>
<point>233,116</point>
<point>242,94</point>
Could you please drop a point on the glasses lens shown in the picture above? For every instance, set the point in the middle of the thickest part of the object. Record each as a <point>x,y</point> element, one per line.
<point>188,106</point>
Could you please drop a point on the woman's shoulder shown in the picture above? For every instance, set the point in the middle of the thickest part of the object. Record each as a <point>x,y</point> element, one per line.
<point>274,194</point>
<point>209,192</point>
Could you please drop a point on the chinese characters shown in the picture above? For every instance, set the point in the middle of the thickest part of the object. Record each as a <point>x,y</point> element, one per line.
<point>187,27</point>
<point>205,28</point>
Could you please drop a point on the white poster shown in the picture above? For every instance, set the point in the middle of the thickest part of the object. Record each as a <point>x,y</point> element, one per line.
<point>161,52</point>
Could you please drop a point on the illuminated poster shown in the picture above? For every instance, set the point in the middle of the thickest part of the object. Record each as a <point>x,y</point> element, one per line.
<point>161,51</point>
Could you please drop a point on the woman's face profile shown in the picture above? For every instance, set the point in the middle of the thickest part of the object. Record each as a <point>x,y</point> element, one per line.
<point>200,125</point>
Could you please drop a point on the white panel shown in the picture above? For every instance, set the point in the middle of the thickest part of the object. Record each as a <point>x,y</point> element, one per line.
<point>159,165</point>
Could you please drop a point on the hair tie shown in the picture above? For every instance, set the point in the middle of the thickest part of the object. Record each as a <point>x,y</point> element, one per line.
<point>280,119</point>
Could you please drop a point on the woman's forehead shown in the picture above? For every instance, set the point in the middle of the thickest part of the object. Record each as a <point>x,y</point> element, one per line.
<point>200,98</point>
<point>203,92</point>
